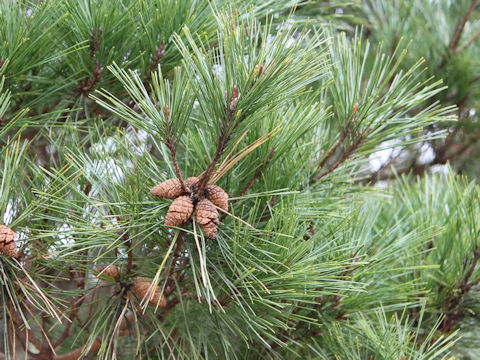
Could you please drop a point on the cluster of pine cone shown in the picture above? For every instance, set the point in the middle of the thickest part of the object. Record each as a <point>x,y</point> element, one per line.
<point>189,202</point>
<point>7,242</point>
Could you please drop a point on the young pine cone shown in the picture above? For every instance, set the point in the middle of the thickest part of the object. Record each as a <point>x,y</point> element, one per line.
<point>206,215</point>
<point>110,271</point>
<point>217,196</point>
<point>179,211</point>
<point>191,182</point>
<point>7,241</point>
<point>140,288</point>
<point>170,189</point>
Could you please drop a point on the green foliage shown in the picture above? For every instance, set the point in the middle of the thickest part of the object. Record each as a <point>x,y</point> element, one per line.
<point>446,34</point>
<point>308,262</point>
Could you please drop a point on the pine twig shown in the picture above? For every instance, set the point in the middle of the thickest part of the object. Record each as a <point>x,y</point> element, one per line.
<point>77,353</point>
<point>460,26</point>
<point>345,133</point>
<point>465,287</point>
<point>223,139</point>
<point>171,144</point>
<point>334,148</point>
<point>471,41</point>
<point>451,305</point>
<point>95,39</point>
<point>257,174</point>
<point>359,140</point>
<point>88,84</point>
<point>45,351</point>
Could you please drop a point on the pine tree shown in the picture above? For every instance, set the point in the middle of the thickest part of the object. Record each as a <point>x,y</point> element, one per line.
<point>446,34</point>
<point>190,180</point>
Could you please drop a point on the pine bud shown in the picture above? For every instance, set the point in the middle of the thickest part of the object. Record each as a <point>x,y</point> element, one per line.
<point>140,288</point>
<point>7,241</point>
<point>217,196</point>
<point>207,216</point>
<point>234,101</point>
<point>110,271</point>
<point>170,189</point>
<point>258,70</point>
<point>179,211</point>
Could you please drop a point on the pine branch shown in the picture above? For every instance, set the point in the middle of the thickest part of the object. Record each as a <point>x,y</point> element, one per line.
<point>77,353</point>
<point>460,26</point>
<point>357,142</point>
<point>345,133</point>
<point>471,41</point>
<point>227,128</point>
<point>257,174</point>
<point>466,286</point>
<point>45,350</point>
<point>171,144</point>
<point>88,83</point>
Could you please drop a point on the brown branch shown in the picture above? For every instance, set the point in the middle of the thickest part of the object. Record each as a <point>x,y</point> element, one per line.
<point>333,149</point>
<point>257,174</point>
<point>451,306</point>
<point>95,39</point>
<point>130,257</point>
<point>171,144</point>
<point>88,84</point>
<point>465,287</point>
<point>225,135</point>
<point>471,41</point>
<point>44,350</point>
<point>460,26</point>
<point>356,144</point>
<point>346,131</point>
<point>77,353</point>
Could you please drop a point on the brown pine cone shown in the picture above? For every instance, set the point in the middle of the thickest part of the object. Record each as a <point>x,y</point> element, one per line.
<point>206,215</point>
<point>191,182</point>
<point>108,271</point>
<point>170,189</point>
<point>140,288</point>
<point>217,196</point>
<point>179,211</point>
<point>7,241</point>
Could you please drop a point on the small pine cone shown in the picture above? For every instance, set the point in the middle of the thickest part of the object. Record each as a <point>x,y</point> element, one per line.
<point>7,241</point>
<point>206,215</point>
<point>140,288</point>
<point>191,182</point>
<point>179,211</point>
<point>108,271</point>
<point>217,196</point>
<point>170,189</point>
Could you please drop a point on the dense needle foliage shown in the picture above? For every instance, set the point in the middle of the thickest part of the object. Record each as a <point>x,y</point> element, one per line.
<point>283,104</point>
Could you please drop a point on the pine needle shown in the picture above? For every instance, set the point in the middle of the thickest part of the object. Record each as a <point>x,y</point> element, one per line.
<point>227,165</point>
